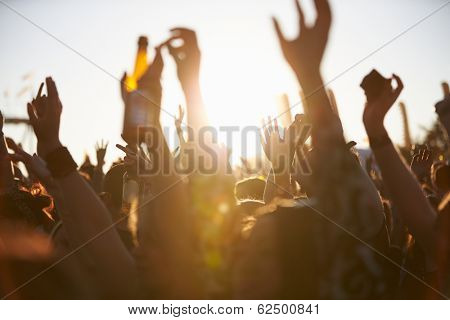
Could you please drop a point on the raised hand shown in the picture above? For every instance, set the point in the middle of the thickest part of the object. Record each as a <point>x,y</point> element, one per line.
<point>421,164</point>
<point>45,115</point>
<point>34,164</point>
<point>100,149</point>
<point>178,122</point>
<point>135,159</point>
<point>187,56</point>
<point>375,112</point>
<point>123,87</point>
<point>179,119</point>
<point>150,84</point>
<point>304,53</point>
<point>277,149</point>
<point>443,108</point>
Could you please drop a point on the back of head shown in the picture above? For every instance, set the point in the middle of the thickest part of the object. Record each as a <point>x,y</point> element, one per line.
<point>250,189</point>
<point>113,184</point>
<point>295,253</point>
<point>441,178</point>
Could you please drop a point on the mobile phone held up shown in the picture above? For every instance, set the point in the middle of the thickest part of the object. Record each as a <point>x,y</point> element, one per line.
<point>373,85</point>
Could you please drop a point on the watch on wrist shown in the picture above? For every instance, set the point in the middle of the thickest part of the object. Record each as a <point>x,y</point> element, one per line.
<point>60,162</point>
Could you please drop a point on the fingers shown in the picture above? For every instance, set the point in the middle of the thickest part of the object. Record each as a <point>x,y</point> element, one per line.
<point>269,124</point>
<point>31,114</point>
<point>278,31</point>
<point>188,36</point>
<point>127,151</point>
<point>182,30</point>
<point>12,144</point>
<point>275,127</point>
<point>51,88</point>
<point>153,74</point>
<point>265,131</point>
<point>178,119</point>
<point>181,110</point>
<point>158,63</point>
<point>323,12</point>
<point>399,87</point>
<point>184,33</point>
<point>175,53</point>
<point>301,16</point>
<point>445,89</point>
<point>426,155</point>
<point>264,143</point>
<point>54,105</point>
<point>123,87</point>
<point>14,157</point>
<point>40,90</point>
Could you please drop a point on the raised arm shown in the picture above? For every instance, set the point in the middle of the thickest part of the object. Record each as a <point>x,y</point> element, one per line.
<point>187,58</point>
<point>304,54</point>
<point>404,189</point>
<point>163,221</point>
<point>98,175</point>
<point>85,219</point>
<point>443,108</point>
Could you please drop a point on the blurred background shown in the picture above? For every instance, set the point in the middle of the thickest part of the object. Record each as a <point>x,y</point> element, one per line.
<point>243,72</point>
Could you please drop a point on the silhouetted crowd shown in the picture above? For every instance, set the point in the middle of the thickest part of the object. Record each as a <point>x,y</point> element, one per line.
<point>314,219</point>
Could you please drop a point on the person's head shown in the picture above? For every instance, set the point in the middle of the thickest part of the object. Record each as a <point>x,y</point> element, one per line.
<point>441,178</point>
<point>87,167</point>
<point>113,188</point>
<point>250,189</point>
<point>25,208</point>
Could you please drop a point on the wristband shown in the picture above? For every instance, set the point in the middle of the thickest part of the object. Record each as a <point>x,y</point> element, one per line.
<point>60,162</point>
<point>380,141</point>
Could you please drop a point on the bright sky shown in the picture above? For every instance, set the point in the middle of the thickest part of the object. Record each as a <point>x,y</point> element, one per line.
<point>243,71</point>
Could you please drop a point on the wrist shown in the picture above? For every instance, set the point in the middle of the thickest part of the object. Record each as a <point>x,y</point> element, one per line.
<point>378,139</point>
<point>46,147</point>
<point>309,77</point>
<point>191,87</point>
<point>60,162</point>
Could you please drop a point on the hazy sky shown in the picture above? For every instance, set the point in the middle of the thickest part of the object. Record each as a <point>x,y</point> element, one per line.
<point>242,68</point>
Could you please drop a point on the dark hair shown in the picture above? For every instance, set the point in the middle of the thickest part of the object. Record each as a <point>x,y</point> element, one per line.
<point>441,178</point>
<point>113,182</point>
<point>22,206</point>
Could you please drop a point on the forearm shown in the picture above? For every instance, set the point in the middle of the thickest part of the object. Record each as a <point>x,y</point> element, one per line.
<point>163,173</point>
<point>196,113</point>
<point>318,107</point>
<point>87,221</point>
<point>406,194</point>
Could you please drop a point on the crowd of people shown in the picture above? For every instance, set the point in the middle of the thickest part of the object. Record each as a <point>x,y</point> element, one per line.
<point>317,222</point>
